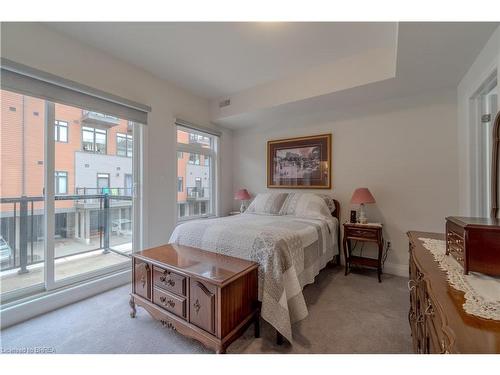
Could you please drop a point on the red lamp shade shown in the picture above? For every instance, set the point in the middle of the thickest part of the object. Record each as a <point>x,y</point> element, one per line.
<point>242,195</point>
<point>362,196</point>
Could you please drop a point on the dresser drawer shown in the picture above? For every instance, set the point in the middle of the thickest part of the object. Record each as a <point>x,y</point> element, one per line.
<point>168,280</point>
<point>170,302</point>
<point>364,233</point>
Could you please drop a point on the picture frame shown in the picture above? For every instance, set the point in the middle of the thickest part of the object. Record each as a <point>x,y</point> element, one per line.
<point>300,163</point>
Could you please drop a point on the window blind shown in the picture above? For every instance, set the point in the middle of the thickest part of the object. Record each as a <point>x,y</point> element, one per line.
<point>29,81</point>
<point>185,124</point>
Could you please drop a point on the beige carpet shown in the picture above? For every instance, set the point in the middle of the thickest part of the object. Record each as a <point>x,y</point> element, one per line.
<point>347,314</point>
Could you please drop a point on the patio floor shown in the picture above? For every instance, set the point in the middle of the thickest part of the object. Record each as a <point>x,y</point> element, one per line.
<point>64,267</point>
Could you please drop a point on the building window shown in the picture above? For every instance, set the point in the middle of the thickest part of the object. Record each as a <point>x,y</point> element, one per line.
<point>103,183</point>
<point>61,131</point>
<point>61,184</point>
<point>94,140</point>
<point>182,210</point>
<point>124,145</point>
<point>194,159</point>
<point>196,177</point>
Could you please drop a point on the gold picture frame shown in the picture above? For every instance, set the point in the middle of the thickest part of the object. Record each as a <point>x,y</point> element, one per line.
<point>300,163</point>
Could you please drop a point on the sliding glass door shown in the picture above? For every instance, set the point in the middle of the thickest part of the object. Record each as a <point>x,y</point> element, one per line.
<point>22,207</point>
<point>70,173</point>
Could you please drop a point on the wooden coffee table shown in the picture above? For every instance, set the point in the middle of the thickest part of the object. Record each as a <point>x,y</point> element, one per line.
<point>203,295</point>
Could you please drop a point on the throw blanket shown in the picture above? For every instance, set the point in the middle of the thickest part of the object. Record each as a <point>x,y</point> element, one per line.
<point>290,251</point>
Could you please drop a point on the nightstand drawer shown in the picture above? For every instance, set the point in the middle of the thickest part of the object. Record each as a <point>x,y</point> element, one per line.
<point>365,233</point>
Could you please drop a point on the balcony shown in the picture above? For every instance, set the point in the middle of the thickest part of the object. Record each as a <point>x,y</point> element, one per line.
<point>96,118</point>
<point>86,240</point>
<point>94,197</point>
<point>197,193</point>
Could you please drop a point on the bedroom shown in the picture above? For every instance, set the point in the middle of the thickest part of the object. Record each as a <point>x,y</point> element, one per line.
<point>307,151</point>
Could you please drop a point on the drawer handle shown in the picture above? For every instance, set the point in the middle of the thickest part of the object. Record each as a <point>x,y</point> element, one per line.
<point>166,281</point>
<point>197,306</point>
<point>168,303</point>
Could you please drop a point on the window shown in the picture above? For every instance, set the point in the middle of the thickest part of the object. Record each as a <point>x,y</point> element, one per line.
<point>128,184</point>
<point>61,185</point>
<point>196,177</point>
<point>103,183</point>
<point>61,131</point>
<point>194,159</point>
<point>124,145</point>
<point>94,140</point>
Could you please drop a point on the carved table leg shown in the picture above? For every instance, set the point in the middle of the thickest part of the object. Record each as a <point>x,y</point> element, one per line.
<point>347,254</point>
<point>132,307</point>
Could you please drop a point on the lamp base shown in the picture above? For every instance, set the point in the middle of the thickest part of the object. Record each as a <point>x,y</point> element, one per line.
<point>362,218</point>
<point>243,207</point>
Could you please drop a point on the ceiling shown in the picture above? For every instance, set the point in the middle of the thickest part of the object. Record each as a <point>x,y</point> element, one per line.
<point>219,59</point>
<point>430,57</point>
<point>238,60</point>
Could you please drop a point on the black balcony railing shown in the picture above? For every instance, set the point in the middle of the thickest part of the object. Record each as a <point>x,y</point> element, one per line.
<point>20,234</point>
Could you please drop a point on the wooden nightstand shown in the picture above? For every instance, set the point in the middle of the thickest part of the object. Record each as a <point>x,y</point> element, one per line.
<point>364,233</point>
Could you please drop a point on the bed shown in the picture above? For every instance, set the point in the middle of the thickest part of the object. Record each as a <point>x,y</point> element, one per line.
<point>290,243</point>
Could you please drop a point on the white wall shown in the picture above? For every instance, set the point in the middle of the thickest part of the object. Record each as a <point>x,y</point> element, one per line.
<point>404,150</point>
<point>484,65</point>
<point>42,48</point>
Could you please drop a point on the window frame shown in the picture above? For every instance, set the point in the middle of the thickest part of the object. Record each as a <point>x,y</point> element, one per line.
<point>94,131</point>
<point>213,154</point>
<point>128,140</point>
<point>98,176</point>
<point>57,131</point>
<point>180,180</point>
<point>57,176</point>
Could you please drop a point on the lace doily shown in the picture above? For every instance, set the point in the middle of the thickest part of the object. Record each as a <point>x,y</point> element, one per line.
<point>482,293</point>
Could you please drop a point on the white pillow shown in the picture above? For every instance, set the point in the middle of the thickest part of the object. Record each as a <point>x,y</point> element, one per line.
<point>306,205</point>
<point>267,203</point>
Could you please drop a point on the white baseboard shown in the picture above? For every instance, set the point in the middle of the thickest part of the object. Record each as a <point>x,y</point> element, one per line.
<point>53,300</point>
<point>396,269</point>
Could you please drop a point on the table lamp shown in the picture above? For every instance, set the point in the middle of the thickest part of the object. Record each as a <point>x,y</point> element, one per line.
<point>242,195</point>
<point>362,196</point>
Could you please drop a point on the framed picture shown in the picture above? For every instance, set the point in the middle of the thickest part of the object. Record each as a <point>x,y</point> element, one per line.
<point>303,162</point>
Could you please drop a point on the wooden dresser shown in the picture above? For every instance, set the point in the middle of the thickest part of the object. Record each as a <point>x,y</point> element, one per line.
<point>437,320</point>
<point>203,295</point>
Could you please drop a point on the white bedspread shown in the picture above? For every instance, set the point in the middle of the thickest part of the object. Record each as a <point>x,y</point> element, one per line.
<point>290,251</point>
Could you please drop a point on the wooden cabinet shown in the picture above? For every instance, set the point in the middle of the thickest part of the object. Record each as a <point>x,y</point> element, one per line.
<point>206,296</point>
<point>437,319</point>
<point>475,243</point>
